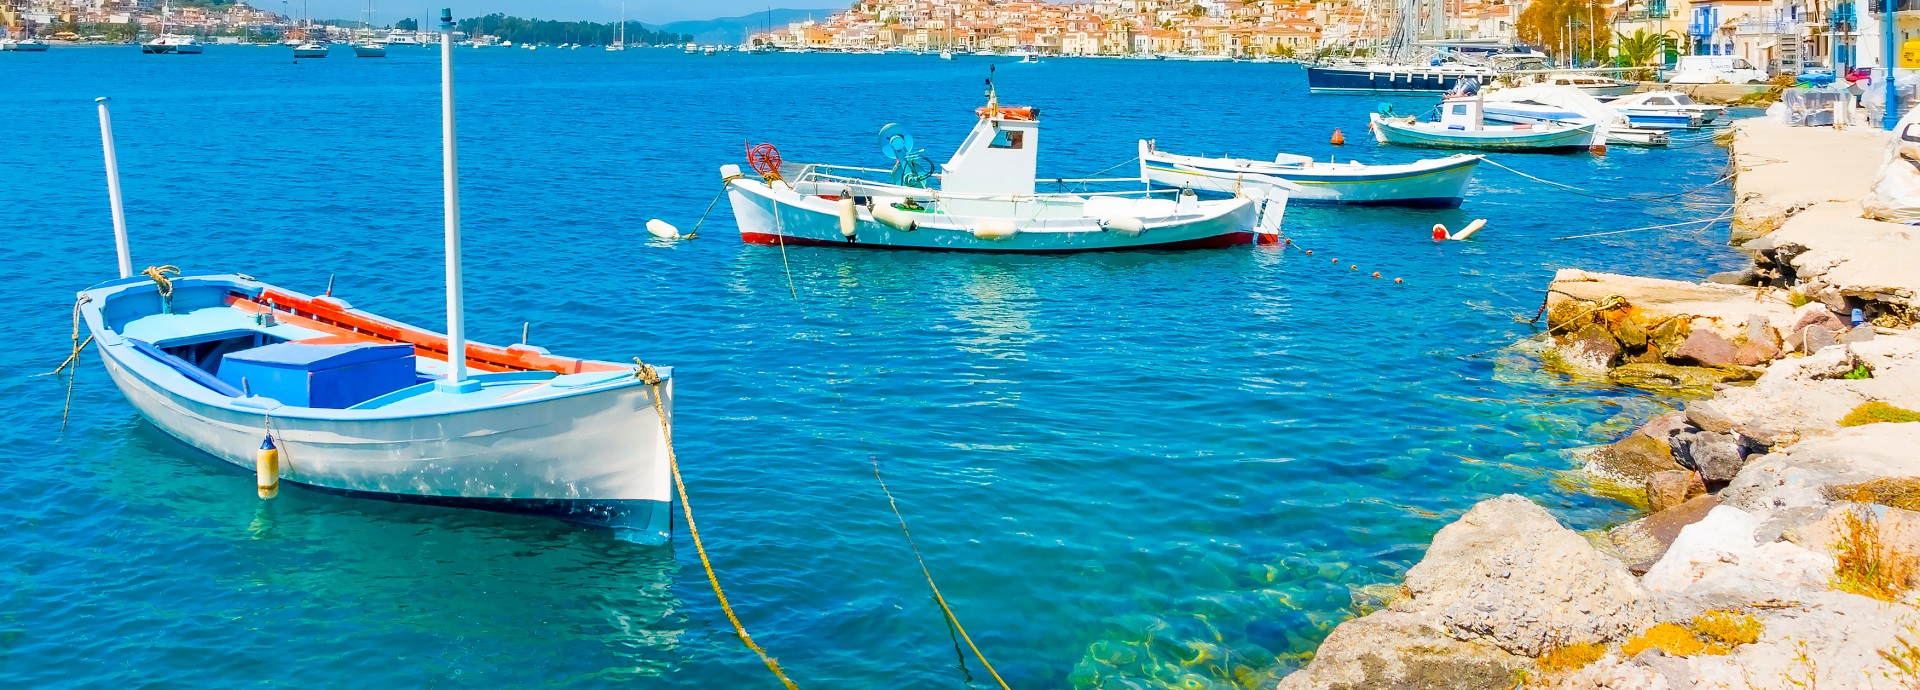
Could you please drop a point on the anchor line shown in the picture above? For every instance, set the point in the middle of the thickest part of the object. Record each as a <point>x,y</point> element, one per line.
<point>649,375</point>
<point>73,359</point>
<point>1590,194</point>
<point>1709,221</point>
<point>946,610</point>
<point>716,201</point>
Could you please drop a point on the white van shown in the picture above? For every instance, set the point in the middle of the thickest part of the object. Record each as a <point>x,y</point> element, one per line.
<point>1715,69</point>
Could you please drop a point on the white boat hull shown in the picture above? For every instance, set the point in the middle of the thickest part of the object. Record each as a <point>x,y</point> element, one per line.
<point>1439,183</point>
<point>596,458</point>
<point>776,214</point>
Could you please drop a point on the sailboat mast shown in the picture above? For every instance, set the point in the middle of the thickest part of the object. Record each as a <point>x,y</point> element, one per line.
<point>450,175</point>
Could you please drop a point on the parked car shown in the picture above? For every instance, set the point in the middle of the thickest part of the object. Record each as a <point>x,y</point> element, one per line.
<point>1715,69</point>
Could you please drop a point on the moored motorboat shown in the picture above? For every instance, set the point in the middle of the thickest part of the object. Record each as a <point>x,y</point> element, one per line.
<point>307,51</point>
<point>1435,182</point>
<point>1665,110</point>
<point>1462,126</point>
<point>171,44</point>
<point>986,201</point>
<point>361,405</point>
<point>369,49</point>
<point>1549,104</point>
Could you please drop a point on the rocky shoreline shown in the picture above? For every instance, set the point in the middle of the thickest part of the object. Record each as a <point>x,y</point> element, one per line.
<point>1781,546</point>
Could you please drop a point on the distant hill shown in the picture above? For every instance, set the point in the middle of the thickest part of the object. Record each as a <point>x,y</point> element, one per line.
<point>735,30</point>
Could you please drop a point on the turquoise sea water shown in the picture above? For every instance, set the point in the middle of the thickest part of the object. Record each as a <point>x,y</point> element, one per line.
<point>1126,470</point>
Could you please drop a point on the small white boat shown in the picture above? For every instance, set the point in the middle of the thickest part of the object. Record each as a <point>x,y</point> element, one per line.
<point>1537,105</point>
<point>1462,126</point>
<point>307,51</point>
<point>986,200</point>
<point>172,44</point>
<point>693,49</point>
<point>360,405</point>
<point>1665,110</point>
<point>946,55</point>
<point>1430,183</point>
<point>1590,84</point>
<point>24,45</point>
<point>369,50</point>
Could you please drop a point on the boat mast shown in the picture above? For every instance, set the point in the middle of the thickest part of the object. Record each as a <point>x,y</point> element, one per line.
<point>456,380</point>
<point>113,191</point>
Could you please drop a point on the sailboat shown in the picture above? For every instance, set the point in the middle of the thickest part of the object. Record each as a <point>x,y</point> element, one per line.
<point>312,48</point>
<point>369,47</point>
<point>310,391</point>
<point>168,43</point>
<point>619,33</point>
<point>1417,57</point>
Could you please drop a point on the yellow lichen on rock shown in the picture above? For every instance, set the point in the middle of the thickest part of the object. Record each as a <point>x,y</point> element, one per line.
<point>1667,637</point>
<point>1877,412</point>
<point>1729,628</point>
<point>1896,492</point>
<point>1572,657</point>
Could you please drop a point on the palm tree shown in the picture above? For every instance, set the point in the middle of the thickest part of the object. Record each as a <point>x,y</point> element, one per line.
<point>1641,48</point>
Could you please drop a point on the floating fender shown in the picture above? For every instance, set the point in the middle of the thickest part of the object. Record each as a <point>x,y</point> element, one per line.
<point>1124,225</point>
<point>662,229</point>
<point>894,218</point>
<point>266,469</point>
<point>1471,228</point>
<point>995,230</point>
<point>1339,139</point>
<point>849,219</point>
<point>1440,233</point>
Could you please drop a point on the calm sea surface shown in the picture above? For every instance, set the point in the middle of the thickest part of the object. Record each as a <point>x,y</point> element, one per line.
<point>1126,470</point>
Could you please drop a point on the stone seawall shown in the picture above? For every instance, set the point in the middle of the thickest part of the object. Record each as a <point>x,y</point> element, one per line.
<point>1781,549</point>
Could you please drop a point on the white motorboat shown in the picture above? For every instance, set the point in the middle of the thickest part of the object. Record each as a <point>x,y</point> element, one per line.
<point>172,44</point>
<point>360,405</point>
<point>1463,126</point>
<point>985,199</point>
<point>307,51</point>
<point>1590,84</point>
<point>946,55</point>
<point>1544,105</point>
<point>369,49</point>
<point>1665,110</point>
<point>1430,183</point>
<point>24,45</point>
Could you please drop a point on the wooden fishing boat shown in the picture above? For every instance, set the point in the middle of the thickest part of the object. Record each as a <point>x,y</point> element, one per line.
<point>987,200</point>
<point>366,406</point>
<point>1434,182</point>
<point>1462,126</point>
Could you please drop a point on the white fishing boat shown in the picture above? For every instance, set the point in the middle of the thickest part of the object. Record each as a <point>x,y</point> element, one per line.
<point>1430,183</point>
<point>1548,105</point>
<point>310,391</point>
<point>309,50</point>
<point>1462,126</point>
<point>1665,110</point>
<point>946,55</point>
<point>986,199</point>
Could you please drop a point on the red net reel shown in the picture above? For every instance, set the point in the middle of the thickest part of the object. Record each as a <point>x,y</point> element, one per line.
<point>764,159</point>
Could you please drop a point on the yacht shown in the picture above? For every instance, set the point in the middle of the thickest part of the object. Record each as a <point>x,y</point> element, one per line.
<point>369,49</point>
<point>309,50</point>
<point>172,43</point>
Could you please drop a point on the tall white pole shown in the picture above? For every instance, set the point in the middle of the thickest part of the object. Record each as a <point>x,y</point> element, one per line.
<point>113,191</point>
<point>450,176</point>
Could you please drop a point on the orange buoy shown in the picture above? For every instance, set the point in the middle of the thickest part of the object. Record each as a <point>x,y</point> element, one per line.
<point>1439,232</point>
<point>1336,259</point>
<point>1309,252</point>
<point>1353,268</point>
<point>1397,281</point>
<point>1376,274</point>
<point>1338,138</point>
<point>1598,149</point>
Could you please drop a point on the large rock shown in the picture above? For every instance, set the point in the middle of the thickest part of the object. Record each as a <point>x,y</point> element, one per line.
<point>1663,377</point>
<point>1642,542</point>
<point>1593,347</point>
<point>1396,649</point>
<point>1503,583</point>
<point>1507,572</point>
<point>1718,456</point>
<point>1707,349</point>
<point>1670,488</point>
<point>1641,453</point>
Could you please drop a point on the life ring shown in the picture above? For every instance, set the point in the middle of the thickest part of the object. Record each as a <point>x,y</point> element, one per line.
<point>764,159</point>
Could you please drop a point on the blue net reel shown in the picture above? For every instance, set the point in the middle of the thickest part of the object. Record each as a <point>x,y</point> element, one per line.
<point>911,168</point>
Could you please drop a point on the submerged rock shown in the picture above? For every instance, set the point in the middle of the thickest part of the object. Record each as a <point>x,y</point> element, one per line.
<point>1641,453</point>
<point>1664,377</point>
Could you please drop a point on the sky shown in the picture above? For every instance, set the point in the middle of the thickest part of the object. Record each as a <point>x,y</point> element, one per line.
<point>649,11</point>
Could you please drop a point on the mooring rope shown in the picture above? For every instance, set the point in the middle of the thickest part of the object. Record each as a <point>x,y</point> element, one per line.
<point>946,610</point>
<point>647,374</point>
<point>1593,195</point>
<point>716,201</point>
<point>1709,221</point>
<point>73,359</point>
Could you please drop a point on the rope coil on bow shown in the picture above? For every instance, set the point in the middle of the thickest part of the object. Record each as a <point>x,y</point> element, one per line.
<point>159,275</point>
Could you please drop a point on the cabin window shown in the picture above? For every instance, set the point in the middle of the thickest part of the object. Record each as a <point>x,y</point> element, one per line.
<point>1682,99</point>
<point>1006,139</point>
<point>1659,101</point>
<point>1460,109</point>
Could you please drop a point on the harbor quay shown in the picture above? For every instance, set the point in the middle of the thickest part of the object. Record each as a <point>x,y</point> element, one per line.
<point>1780,529</point>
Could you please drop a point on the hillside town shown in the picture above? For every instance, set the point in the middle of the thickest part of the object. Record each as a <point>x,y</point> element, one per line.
<point>1766,32</point>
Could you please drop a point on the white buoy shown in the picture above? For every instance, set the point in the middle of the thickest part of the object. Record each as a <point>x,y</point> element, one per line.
<point>849,219</point>
<point>1124,225</point>
<point>995,230</point>
<point>662,229</point>
<point>266,469</point>
<point>1471,228</point>
<point>904,221</point>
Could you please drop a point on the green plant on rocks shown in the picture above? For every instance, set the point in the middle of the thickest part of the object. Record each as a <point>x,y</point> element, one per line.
<point>1877,412</point>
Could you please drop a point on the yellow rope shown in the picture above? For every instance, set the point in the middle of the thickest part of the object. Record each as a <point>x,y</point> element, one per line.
<point>159,275</point>
<point>1608,302</point>
<point>944,608</point>
<point>73,358</point>
<point>647,374</point>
